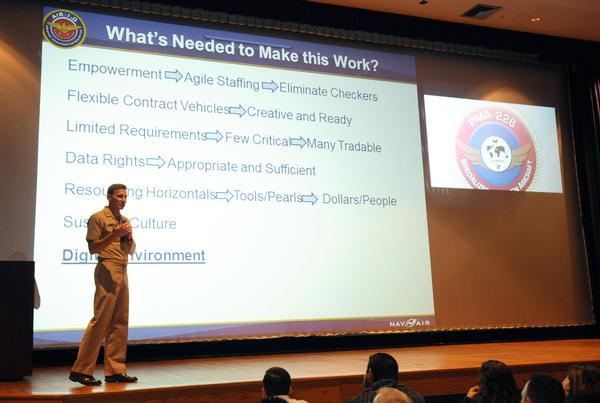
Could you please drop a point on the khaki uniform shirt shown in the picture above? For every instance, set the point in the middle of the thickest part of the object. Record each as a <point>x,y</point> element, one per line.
<point>101,224</point>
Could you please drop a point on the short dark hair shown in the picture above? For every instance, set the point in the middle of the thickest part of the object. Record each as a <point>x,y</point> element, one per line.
<point>545,389</point>
<point>277,381</point>
<point>114,187</point>
<point>383,366</point>
<point>273,399</point>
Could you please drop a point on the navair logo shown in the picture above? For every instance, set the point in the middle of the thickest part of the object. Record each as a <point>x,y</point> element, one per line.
<point>63,28</point>
<point>409,323</point>
<point>495,150</point>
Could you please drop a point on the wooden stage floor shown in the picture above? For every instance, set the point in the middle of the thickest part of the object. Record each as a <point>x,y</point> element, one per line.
<point>324,377</point>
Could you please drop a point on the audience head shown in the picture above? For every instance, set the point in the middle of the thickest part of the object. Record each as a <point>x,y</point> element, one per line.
<point>582,383</point>
<point>391,395</point>
<point>496,382</point>
<point>277,381</point>
<point>543,389</point>
<point>273,399</point>
<point>381,366</point>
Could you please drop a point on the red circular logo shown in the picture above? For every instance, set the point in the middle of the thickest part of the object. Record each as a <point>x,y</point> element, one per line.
<point>495,150</point>
<point>63,28</point>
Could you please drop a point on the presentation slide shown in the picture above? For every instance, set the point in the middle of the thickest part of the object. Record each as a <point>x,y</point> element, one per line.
<point>275,186</point>
<point>475,144</point>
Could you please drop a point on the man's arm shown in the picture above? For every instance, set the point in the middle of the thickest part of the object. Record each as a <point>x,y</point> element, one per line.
<point>130,244</point>
<point>98,245</point>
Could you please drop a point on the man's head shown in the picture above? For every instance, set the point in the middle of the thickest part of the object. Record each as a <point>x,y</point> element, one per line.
<point>391,395</point>
<point>273,400</point>
<point>543,389</point>
<point>277,381</point>
<point>116,196</point>
<point>381,366</point>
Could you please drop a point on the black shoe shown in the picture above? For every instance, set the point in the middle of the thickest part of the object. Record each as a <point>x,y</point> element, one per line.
<point>120,378</point>
<point>87,380</point>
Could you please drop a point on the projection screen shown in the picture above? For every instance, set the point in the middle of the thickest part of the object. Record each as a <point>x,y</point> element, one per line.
<point>284,185</point>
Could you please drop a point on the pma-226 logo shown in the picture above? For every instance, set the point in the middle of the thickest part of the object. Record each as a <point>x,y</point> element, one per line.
<point>495,150</point>
<point>63,28</point>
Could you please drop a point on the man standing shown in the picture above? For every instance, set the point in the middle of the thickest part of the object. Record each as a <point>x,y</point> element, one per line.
<point>109,235</point>
<point>382,371</point>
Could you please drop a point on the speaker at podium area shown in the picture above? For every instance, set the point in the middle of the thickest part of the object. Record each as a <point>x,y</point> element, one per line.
<point>16,319</point>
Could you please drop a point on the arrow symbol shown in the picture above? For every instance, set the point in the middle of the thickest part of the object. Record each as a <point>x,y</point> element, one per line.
<point>311,198</point>
<point>237,110</point>
<point>173,75</point>
<point>155,162</point>
<point>298,142</point>
<point>224,195</point>
<point>217,136</point>
<point>269,85</point>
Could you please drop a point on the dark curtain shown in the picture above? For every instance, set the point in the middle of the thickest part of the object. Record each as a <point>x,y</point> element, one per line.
<point>585,110</point>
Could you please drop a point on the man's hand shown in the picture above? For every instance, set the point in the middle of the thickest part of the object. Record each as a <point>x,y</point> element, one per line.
<point>119,231</point>
<point>122,229</point>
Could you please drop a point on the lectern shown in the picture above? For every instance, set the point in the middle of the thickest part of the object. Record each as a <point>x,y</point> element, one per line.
<point>16,320</point>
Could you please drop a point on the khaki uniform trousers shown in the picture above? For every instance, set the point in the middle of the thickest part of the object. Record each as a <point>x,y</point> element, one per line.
<point>110,322</point>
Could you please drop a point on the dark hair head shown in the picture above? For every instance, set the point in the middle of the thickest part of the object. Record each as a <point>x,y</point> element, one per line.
<point>383,366</point>
<point>545,389</point>
<point>277,381</point>
<point>497,383</point>
<point>273,399</point>
<point>114,187</point>
<point>584,382</point>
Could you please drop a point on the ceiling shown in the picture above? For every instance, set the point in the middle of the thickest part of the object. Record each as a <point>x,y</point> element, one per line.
<point>579,19</point>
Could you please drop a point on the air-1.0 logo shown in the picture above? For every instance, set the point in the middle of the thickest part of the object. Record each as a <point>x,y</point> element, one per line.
<point>63,28</point>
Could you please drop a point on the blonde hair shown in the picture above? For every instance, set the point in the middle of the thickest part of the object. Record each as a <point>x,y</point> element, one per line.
<point>391,395</point>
